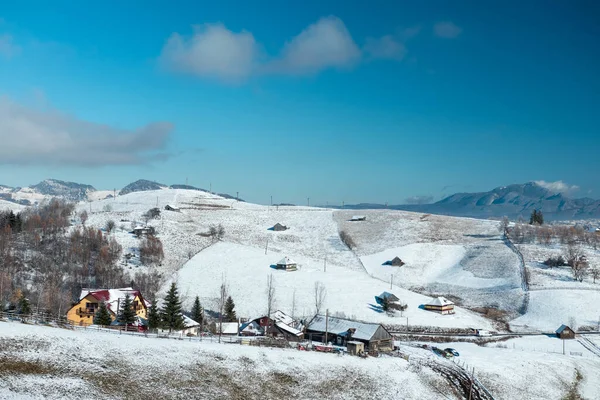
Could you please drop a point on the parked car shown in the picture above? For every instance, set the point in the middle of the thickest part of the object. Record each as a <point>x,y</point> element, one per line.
<point>452,351</point>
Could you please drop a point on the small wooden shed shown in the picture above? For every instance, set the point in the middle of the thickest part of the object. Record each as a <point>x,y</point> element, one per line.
<point>170,207</point>
<point>564,332</point>
<point>358,218</point>
<point>396,262</point>
<point>441,305</point>
<point>278,227</point>
<point>287,264</point>
<point>355,347</point>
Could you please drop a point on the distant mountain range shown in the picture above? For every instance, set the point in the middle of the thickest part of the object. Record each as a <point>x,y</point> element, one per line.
<point>512,201</point>
<point>80,192</point>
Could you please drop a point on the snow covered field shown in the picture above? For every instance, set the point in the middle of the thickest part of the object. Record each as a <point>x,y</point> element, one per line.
<point>245,270</point>
<point>53,363</point>
<point>463,258</point>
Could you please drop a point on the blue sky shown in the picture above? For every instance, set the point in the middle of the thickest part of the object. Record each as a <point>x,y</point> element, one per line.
<point>337,101</point>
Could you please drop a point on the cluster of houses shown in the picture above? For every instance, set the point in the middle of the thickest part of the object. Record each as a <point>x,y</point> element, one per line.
<point>357,336</point>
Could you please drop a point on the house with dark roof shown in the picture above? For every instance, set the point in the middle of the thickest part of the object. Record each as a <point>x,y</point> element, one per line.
<point>278,324</point>
<point>564,332</point>
<point>279,227</point>
<point>396,262</point>
<point>341,331</point>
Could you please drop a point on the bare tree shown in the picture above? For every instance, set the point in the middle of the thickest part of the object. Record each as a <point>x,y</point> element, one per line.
<point>83,216</point>
<point>221,300</point>
<point>110,225</point>
<point>270,298</point>
<point>320,296</point>
<point>595,273</point>
<point>504,223</point>
<point>573,253</point>
<point>294,304</point>
<point>347,239</point>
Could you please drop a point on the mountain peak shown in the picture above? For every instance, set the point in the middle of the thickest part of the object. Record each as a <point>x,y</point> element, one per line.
<point>142,185</point>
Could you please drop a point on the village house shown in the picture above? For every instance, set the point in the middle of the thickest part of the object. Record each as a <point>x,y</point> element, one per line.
<point>396,262</point>
<point>170,207</point>
<point>342,331</point>
<point>83,312</point>
<point>390,297</point>
<point>228,328</point>
<point>279,227</point>
<point>278,325</point>
<point>358,218</point>
<point>191,327</point>
<point>564,332</point>
<point>287,264</point>
<point>143,230</point>
<point>441,305</point>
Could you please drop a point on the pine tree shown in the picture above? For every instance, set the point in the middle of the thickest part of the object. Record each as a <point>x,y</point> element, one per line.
<point>197,312</point>
<point>170,314</point>
<point>102,316</point>
<point>153,316</point>
<point>127,313</point>
<point>229,310</point>
<point>537,218</point>
<point>24,307</point>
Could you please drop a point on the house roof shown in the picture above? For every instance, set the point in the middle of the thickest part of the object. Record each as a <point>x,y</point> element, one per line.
<point>364,331</point>
<point>112,297</point>
<point>280,316</point>
<point>355,217</point>
<point>229,328</point>
<point>389,296</point>
<point>440,302</point>
<point>172,207</point>
<point>286,261</point>
<point>562,328</point>
<point>288,329</point>
<point>188,322</point>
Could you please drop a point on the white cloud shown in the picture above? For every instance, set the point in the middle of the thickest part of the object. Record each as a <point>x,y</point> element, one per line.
<point>419,200</point>
<point>8,48</point>
<point>558,187</point>
<point>322,45</point>
<point>212,51</point>
<point>446,30</point>
<point>385,47</point>
<point>31,136</point>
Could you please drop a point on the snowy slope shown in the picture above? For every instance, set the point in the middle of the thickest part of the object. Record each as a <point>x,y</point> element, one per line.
<point>64,364</point>
<point>245,270</point>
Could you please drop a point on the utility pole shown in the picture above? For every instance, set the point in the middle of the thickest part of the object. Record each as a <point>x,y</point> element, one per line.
<point>391,281</point>
<point>237,196</point>
<point>271,200</point>
<point>326,323</point>
<point>308,201</point>
<point>210,188</point>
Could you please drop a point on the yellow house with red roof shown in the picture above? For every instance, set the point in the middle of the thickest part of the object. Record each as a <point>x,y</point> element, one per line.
<point>83,312</point>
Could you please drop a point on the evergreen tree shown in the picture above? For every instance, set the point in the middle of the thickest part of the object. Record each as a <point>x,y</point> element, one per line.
<point>102,316</point>
<point>153,316</point>
<point>197,312</point>
<point>537,218</point>
<point>170,314</point>
<point>24,307</point>
<point>126,313</point>
<point>229,310</point>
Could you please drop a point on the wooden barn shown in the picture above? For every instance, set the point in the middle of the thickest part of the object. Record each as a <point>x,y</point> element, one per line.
<point>170,207</point>
<point>279,227</point>
<point>342,331</point>
<point>564,332</point>
<point>441,305</point>
<point>396,262</point>
<point>287,264</point>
